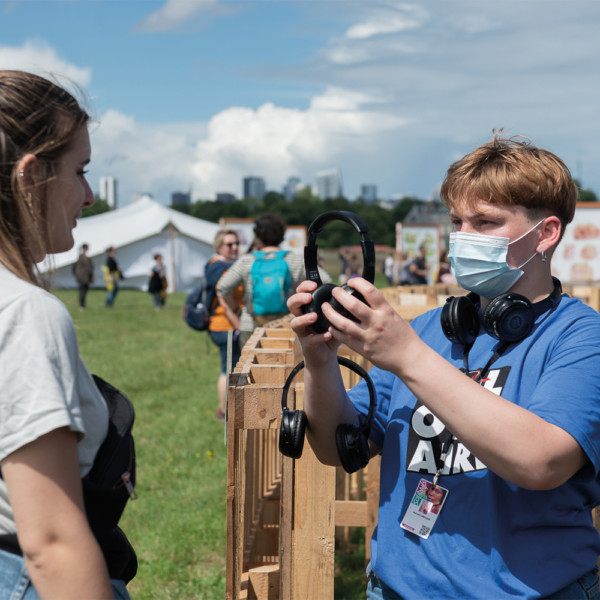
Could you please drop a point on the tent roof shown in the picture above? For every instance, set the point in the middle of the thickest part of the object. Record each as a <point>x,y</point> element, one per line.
<point>137,221</point>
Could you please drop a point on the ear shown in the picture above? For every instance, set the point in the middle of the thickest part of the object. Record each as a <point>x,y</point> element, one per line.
<point>549,234</point>
<point>27,169</point>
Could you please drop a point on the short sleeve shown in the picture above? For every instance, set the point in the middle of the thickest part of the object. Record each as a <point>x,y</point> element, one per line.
<point>568,392</point>
<point>38,370</point>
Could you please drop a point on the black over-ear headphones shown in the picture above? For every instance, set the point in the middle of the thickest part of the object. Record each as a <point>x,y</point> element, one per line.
<point>323,292</point>
<point>351,440</point>
<point>509,317</point>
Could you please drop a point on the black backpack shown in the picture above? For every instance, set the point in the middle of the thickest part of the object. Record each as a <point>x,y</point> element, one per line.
<point>107,487</point>
<point>196,310</point>
<point>198,307</point>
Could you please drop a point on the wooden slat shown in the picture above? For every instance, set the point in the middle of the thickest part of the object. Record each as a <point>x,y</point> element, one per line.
<point>261,407</point>
<point>263,356</point>
<point>263,583</point>
<point>279,332</point>
<point>276,343</point>
<point>273,374</point>
<point>350,513</point>
<point>411,312</point>
<point>314,529</point>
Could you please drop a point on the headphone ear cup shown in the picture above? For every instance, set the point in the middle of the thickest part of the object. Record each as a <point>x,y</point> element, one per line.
<point>291,433</point>
<point>321,294</point>
<point>509,317</point>
<point>459,320</point>
<point>352,447</point>
<point>340,309</point>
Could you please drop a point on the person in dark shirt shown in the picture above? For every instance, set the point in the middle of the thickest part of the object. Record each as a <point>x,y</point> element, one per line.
<point>419,267</point>
<point>112,275</point>
<point>83,270</point>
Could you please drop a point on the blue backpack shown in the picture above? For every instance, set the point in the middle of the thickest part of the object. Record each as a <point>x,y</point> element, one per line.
<point>271,281</point>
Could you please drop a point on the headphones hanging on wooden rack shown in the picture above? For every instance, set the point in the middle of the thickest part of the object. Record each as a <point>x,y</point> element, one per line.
<point>352,441</point>
<point>324,290</point>
<point>509,317</point>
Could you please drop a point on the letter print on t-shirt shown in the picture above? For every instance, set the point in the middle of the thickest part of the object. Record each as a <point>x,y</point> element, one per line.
<point>427,431</point>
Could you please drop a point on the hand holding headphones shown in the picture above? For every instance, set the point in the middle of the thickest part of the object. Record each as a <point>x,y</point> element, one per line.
<point>352,441</point>
<point>323,292</point>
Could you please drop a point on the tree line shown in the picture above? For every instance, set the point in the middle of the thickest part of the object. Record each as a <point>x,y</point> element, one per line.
<point>305,207</point>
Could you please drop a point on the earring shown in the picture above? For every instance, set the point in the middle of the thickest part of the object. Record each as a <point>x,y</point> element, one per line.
<point>544,259</point>
<point>21,173</point>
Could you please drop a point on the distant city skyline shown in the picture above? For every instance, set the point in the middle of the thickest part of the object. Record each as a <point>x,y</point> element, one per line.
<point>329,181</point>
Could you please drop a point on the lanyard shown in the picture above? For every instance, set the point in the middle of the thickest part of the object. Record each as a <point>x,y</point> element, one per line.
<point>448,438</point>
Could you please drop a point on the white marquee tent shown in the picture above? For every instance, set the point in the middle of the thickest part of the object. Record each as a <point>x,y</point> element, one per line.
<point>139,231</point>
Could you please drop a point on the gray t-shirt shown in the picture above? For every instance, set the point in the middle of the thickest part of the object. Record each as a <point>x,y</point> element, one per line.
<point>44,384</point>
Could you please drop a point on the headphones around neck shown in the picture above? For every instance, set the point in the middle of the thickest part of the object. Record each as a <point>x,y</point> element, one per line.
<point>323,293</point>
<point>509,317</point>
<point>352,440</point>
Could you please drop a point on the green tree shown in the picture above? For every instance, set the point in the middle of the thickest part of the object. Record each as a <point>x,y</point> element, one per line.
<point>184,208</point>
<point>585,195</point>
<point>305,207</point>
<point>403,207</point>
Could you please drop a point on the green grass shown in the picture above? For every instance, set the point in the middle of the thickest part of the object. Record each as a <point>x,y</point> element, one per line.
<point>169,372</point>
<point>178,523</point>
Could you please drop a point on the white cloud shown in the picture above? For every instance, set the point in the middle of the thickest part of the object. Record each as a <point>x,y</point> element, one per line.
<point>144,158</point>
<point>393,19</point>
<point>177,13</point>
<point>277,142</point>
<point>37,56</point>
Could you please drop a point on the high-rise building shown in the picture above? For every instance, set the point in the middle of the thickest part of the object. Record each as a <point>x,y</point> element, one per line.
<point>184,198</point>
<point>226,197</point>
<point>329,184</point>
<point>368,192</point>
<point>254,187</point>
<point>108,191</point>
<point>290,189</point>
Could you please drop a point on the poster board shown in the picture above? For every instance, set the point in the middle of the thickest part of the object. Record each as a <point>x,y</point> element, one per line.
<point>577,256</point>
<point>294,238</point>
<point>410,237</point>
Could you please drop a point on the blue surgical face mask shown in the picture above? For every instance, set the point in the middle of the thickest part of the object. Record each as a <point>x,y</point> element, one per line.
<point>479,262</point>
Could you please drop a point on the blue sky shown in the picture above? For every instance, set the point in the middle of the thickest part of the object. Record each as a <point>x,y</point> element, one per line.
<point>200,93</point>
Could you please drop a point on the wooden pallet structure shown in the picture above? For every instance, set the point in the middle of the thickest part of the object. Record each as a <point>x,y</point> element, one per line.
<point>282,514</point>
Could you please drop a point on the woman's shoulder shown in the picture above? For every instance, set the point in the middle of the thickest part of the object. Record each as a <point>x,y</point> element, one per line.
<point>20,296</point>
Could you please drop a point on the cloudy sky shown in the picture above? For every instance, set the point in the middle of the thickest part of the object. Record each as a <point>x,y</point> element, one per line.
<point>197,94</point>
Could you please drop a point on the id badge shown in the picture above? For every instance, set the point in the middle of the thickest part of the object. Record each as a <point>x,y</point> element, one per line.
<point>424,509</point>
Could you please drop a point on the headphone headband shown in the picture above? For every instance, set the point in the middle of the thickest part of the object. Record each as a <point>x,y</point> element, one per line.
<point>351,440</point>
<point>336,215</point>
<point>350,364</point>
<point>539,308</point>
<point>310,250</point>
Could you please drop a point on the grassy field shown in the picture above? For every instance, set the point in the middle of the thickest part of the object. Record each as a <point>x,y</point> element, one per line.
<point>169,371</point>
<point>177,525</point>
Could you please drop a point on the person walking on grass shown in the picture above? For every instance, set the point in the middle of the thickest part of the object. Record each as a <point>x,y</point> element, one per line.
<point>112,276</point>
<point>83,270</point>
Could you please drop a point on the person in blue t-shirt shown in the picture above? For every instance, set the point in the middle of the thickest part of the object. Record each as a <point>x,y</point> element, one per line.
<point>495,398</point>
